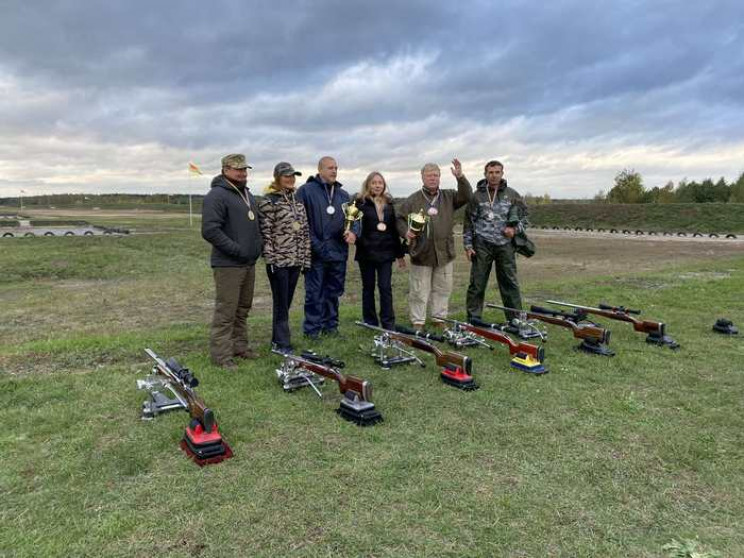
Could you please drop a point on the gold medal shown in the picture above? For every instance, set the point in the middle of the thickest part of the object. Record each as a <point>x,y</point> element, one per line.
<point>251,215</point>
<point>296,225</point>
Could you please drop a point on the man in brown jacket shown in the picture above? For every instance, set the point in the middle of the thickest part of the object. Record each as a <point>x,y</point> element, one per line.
<point>433,251</point>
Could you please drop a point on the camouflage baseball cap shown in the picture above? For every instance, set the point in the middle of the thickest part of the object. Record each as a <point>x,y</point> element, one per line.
<point>285,169</point>
<point>235,161</point>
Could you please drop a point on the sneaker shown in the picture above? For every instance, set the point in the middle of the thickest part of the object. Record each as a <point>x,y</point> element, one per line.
<point>287,350</point>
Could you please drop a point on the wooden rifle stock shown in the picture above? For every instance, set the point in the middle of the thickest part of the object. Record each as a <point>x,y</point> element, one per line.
<point>514,348</point>
<point>618,313</point>
<point>580,331</point>
<point>345,382</point>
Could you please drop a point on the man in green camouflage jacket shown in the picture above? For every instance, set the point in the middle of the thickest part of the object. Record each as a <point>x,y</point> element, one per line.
<point>487,236</point>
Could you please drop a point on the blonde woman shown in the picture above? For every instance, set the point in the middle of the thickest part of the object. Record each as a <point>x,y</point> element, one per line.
<point>376,249</point>
<point>286,248</point>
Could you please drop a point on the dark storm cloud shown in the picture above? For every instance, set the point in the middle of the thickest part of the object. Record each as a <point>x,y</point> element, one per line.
<point>385,83</point>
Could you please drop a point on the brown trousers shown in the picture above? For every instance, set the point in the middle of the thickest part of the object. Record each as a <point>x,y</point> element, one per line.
<point>233,301</point>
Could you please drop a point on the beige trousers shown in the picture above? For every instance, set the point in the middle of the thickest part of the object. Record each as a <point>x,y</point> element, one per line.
<point>429,286</point>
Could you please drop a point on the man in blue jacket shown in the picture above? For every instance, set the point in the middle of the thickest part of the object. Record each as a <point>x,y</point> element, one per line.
<point>230,225</point>
<point>323,197</point>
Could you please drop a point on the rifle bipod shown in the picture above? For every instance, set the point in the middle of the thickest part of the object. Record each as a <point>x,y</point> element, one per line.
<point>293,377</point>
<point>311,370</point>
<point>388,352</point>
<point>460,338</point>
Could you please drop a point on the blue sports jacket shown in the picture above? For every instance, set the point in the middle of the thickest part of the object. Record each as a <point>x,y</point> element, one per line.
<point>326,230</point>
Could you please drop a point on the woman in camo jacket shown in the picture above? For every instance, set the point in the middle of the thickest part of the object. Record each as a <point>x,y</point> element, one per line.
<point>286,248</point>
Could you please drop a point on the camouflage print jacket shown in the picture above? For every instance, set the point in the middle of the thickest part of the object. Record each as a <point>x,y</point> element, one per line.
<point>485,220</point>
<point>286,237</point>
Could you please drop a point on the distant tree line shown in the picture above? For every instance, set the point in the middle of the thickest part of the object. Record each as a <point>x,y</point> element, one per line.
<point>628,188</point>
<point>90,200</point>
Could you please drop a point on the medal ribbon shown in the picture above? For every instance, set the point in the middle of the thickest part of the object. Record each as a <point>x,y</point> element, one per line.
<point>291,204</point>
<point>245,198</point>
<point>431,203</point>
<point>330,198</point>
<point>380,210</point>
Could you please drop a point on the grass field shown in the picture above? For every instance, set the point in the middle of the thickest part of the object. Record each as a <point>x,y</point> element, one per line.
<point>601,457</point>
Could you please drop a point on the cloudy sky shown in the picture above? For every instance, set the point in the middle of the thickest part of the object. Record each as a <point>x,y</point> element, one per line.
<point>119,96</point>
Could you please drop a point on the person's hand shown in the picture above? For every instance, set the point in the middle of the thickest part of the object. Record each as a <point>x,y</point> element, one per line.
<point>349,237</point>
<point>456,168</point>
<point>410,235</point>
<point>469,253</point>
<point>509,232</point>
<point>401,263</point>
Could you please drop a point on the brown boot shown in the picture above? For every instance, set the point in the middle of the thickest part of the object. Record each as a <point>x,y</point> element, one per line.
<point>228,364</point>
<point>247,354</point>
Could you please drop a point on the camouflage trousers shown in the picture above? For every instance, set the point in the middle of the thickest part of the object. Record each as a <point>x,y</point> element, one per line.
<point>233,301</point>
<point>503,259</point>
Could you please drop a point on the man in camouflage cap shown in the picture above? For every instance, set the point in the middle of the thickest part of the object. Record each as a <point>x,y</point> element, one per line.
<point>230,225</point>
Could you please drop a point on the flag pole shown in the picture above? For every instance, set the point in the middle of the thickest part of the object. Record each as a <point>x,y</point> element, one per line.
<point>194,170</point>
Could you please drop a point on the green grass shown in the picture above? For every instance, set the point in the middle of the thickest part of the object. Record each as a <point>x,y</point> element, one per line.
<point>601,457</point>
<point>675,217</point>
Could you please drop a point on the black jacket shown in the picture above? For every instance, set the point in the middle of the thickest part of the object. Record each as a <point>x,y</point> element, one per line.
<point>376,246</point>
<point>235,239</point>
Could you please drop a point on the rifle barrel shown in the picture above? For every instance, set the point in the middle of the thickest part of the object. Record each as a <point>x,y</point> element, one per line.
<point>578,306</point>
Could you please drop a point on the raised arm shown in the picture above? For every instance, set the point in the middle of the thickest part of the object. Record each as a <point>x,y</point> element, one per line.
<point>464,189</point>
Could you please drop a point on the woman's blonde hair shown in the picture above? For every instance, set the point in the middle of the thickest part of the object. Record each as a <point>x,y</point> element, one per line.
<point>366,194</point>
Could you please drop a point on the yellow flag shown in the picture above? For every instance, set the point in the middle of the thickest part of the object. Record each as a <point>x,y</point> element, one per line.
<point>193,169</point>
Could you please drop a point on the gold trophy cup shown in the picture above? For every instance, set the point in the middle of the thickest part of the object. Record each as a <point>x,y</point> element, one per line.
<point>417,222</point>
<point>351,214</point>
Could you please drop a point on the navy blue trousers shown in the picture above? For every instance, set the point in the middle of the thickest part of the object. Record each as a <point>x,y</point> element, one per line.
<point>384,282</point>
<point>324,285</point>
<point>283,281</point>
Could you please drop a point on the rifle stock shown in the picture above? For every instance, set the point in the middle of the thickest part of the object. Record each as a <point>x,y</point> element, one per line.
<point>495,335</point>
<point>619,313</point>
<point>588,332</point>
<point>441,357</point>
<point>345,382</point>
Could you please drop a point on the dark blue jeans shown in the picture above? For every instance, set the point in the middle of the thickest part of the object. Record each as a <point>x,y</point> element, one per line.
<point>283,281</point>
<point>324,285</point>
<point>384,277</point>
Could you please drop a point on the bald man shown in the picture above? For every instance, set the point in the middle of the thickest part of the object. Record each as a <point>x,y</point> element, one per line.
<point>323,197</point>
